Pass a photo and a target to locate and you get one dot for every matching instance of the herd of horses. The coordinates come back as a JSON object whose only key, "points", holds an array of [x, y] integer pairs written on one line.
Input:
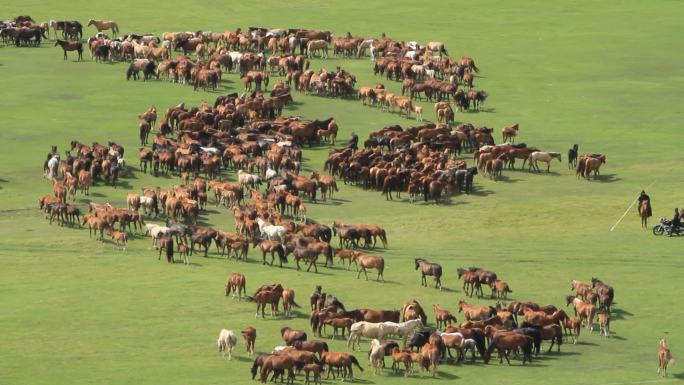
{"points": [[515, 329], [248, 135]]}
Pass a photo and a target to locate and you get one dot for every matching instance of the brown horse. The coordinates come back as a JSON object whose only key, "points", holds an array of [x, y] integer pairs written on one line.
{"points": [[365, 262], [313, 346], [431, 353], [500, 289], [276, 364], [508, 134], [509, 341], [475, 312], [605, 293], [103, 25], [664, 358], [71, 46], [290, 336], [237, 284], [429, 268], [271, 246], [340, 360], [289, 301], [443, 316], [644, 213], [470, 280], [249, 334], [267, 297], [586, 311]]}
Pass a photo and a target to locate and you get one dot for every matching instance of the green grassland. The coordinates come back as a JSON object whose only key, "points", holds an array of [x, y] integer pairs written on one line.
{"points": [[606, 75]]}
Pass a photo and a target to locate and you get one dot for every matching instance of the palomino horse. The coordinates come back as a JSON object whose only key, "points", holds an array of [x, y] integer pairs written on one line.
{"points": [[289, 301], [429, 268], [316, 45], [226, 342], [540, 156], [237, 284], [365, 262], [644, 213], [664, 358], [103, 25], [71, 46]]}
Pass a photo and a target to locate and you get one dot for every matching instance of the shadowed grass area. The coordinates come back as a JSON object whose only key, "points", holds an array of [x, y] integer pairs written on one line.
{"points": [[606, 75]]}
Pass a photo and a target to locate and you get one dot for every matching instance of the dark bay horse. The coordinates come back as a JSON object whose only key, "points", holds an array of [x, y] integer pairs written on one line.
{"points": [[71, 46], [429, 268]]}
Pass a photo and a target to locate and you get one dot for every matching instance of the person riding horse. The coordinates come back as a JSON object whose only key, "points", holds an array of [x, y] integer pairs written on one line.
{"points": [[644, 197], [675, 222], [353, 142]]}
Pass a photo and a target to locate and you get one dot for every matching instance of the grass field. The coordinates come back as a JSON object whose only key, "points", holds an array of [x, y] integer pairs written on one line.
{"points": [[606, 75]]}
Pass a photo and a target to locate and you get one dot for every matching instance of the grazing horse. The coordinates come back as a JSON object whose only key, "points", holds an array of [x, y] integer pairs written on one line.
{"points": [[540, 156], [71, 46], [290, 336], [340, 360], [103, 25], [226, 342], [376, 358], [147, 66], [237, 284], [586, 311], [505, 342], [664, 358], [605, 293], [429, 268], [278, 364], [365, 262]]}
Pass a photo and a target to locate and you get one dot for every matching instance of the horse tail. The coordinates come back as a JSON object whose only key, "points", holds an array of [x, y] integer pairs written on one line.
{"points": [[383, 237], [444, 51], [250, 298], [477, 70], [115, 28], [325, 347], [355, 362], [295, 304]]}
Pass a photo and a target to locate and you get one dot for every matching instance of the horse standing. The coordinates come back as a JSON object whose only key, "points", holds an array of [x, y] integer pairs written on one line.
{"points": [[664, 358], [644, 213], [71, 46], [103, 25], [429, 268], [226, 342]]}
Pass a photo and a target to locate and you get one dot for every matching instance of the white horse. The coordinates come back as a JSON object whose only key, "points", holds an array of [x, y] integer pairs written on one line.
{"points": [[281, 349], [226, 342], [368, 330], [248, 179], [404, 329], [377, 356], [235, 57], [271, 232], [53, 167], [210, 150], [361, 48], [540, 156], [270, 173], [155, 231]]}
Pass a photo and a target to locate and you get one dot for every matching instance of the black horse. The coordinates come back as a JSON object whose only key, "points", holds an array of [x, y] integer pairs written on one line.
{"points": [[572, 156]]}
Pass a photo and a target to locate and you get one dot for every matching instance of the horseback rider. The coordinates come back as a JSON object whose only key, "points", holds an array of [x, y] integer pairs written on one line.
{"points": [[675, 222], [353, 141], [644, 197]]}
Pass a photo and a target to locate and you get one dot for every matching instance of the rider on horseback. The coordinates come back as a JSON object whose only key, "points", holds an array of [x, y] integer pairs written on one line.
{"points": [[644, 197]]}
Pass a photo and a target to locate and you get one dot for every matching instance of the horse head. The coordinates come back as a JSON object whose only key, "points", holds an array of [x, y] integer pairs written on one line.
{"points": [[569, 299]]}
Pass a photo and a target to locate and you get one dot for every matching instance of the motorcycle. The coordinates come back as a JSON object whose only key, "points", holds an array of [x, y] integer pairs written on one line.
{"points": [[664, 227]]}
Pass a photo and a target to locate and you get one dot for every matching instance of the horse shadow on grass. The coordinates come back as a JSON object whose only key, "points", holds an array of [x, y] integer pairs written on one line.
{"points": [[506, 179], [620, 314], [607, 178], [481, 192]]}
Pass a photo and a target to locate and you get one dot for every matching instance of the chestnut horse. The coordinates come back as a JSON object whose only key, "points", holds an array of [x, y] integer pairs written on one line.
{"points": [[365, 262], [340, 360], [443, 316], [71, 46], [644, 214], [237, 284], [506, 342], [664, 358], [605, 293]]}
